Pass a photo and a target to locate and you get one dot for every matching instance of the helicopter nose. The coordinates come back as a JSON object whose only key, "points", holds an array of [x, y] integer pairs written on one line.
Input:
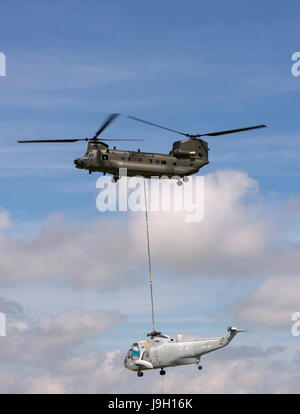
{"points": [[78, 163], [129, 364]]}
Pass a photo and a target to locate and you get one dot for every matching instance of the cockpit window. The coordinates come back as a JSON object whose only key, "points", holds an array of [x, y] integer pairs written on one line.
{"points": [[88, 155], [135, 353]]}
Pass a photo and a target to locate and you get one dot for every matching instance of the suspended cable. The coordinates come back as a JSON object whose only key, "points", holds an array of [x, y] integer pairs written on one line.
{"points": [[149, 255]]}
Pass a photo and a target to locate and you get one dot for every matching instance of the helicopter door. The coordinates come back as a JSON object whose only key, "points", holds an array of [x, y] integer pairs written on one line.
{"points": [[145, 356], [154, 358]]}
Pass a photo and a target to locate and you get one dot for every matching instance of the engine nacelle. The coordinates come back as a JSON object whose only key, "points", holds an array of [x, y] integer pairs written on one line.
{"points": [[190, 148]]}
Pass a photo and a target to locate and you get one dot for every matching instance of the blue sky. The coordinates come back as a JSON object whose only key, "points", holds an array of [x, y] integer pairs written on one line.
{"points": [[192, 66], [195, 67]]}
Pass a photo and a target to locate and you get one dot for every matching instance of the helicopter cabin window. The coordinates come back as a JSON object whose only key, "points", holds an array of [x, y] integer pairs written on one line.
{"points": [[104, 157], [164, 162]]}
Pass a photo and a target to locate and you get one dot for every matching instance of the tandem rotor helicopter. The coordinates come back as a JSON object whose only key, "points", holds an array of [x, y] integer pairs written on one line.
{"points": [[186, 157]]}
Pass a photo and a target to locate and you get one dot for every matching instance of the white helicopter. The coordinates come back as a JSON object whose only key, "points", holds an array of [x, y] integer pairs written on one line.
{"points": [[162, 351]]}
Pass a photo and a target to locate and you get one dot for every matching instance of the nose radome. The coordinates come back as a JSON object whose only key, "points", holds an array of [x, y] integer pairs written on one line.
{"points": [[78, 162]]}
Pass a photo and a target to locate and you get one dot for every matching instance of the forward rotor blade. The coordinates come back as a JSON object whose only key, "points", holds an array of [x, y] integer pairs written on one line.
{"points": [[75, 140], [230, 131], [158, 126], [105, 124], [51, 140]]}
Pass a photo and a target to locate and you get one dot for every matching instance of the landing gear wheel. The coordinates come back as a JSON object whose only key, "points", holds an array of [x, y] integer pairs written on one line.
{"points": [[179, 183], [185, 179], [162, 372], [200, 367], [140, 374]]}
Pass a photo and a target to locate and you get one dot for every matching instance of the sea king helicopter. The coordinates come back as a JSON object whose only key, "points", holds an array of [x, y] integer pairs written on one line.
{"points": [[186, 157], [161, 351]]}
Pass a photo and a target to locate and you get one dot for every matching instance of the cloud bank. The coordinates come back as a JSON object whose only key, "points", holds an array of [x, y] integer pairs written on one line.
{"points": [[234, 238]]}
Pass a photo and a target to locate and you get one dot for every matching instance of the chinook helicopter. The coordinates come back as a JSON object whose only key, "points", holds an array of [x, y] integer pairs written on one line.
{"points": [[161, 351], [186, 157]]}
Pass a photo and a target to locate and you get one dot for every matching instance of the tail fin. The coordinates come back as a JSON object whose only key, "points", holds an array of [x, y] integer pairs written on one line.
{"points": [[234, 329], [232, 332]]}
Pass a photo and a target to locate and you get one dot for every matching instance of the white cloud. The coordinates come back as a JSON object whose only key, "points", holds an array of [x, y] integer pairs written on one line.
{"points": [[234, 238], [46, 340], [85, 254], [273, 302]]}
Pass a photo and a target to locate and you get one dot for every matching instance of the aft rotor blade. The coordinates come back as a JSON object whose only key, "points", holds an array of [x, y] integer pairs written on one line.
{"points": [[105, 124], [158, 126], [211, 134], [230, 131], [121, 139], [51, 140]]}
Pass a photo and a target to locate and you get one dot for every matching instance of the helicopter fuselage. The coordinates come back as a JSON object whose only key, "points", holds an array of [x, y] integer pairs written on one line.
{"points": [[161, 351], [186, 158]]}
